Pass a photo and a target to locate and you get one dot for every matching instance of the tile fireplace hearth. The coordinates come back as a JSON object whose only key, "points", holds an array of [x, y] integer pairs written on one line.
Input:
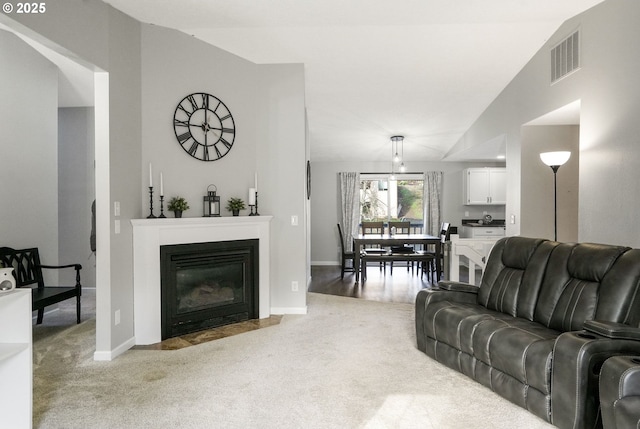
{"points": [[150, 234]]}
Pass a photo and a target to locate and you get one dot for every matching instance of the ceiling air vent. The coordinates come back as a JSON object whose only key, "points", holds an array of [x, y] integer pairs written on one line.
{"points": [[565, 57]]}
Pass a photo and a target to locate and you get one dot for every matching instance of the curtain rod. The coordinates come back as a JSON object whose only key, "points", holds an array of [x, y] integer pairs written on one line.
{"points": [[398, 174]]}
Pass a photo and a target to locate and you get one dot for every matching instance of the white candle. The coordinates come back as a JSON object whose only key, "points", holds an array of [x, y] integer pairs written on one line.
{"points": [[252, 196], [150, 176], [255, 182], [161, 186]]}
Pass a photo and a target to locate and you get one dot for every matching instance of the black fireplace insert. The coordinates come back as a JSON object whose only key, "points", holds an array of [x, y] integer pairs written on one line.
{"points": [[204, 285]]}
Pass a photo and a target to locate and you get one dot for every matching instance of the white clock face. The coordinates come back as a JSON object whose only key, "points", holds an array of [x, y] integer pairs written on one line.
{"points": [[204, 126]]}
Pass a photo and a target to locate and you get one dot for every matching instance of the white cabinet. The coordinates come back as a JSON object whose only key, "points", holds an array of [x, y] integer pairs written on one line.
{"points": [[485, 186], [15, 359], [482, 231]]}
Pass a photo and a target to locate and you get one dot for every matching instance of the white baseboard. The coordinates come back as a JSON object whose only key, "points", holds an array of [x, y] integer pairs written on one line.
{"points": [[110, 355], [289, 310]]}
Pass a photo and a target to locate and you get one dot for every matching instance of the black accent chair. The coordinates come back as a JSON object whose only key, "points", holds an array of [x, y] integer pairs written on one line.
{"points": [[346, 256], [27, 271]]}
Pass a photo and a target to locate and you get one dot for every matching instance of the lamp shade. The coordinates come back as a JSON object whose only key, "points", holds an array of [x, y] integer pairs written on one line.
{"points": [[555, 158]]}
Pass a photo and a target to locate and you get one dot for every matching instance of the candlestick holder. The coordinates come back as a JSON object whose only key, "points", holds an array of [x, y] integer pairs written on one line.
{"points": [[162, 216], [151, 216], [257, 214], [251, 206]]}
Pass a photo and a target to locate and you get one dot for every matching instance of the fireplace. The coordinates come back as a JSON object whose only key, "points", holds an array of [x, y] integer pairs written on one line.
{"points": [[204, 285], [149, 235]]}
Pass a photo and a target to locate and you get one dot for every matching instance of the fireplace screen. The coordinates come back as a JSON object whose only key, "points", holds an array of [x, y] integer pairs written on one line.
{"points": [[208, 284], [201, 288]]}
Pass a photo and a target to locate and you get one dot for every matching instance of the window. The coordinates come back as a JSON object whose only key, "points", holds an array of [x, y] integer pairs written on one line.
{"points": [[384, 199]]}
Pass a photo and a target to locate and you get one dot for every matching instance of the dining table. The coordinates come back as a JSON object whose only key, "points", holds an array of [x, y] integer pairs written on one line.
{"points": [[388, 240]]}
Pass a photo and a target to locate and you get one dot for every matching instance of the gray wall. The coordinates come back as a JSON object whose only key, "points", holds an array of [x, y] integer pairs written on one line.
{"points": [[607, 85], [281, 164], [325, 200], [125, 153], [267, 103], [173, 66], [103, 39], [29, 161], [537, 182], [76, 135]]}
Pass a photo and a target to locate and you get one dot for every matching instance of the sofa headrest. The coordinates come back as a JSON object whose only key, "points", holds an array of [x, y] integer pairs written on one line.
{"points": [[513, 275], [591, 262], [518, 251]]}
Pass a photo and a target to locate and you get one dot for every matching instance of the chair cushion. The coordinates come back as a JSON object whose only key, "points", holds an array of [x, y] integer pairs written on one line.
{"points": [[445, 317], [516, 347]]}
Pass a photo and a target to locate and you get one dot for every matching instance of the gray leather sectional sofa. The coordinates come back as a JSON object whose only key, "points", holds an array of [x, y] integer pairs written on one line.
{"points": [[541, 324], [620, 392]]}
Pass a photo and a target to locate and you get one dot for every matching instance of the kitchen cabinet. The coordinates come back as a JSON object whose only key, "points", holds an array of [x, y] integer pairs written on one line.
{"points": [[482, 231], [485, 186], [15, 359]]}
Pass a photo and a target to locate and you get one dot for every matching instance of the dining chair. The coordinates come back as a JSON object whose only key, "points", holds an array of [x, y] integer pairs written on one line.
{"points": [[346, 256], [401, 228], [429, 264], [374, 228]]}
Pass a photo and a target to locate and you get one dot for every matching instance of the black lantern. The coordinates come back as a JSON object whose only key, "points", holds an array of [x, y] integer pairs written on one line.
{"points": [[211, 202]]}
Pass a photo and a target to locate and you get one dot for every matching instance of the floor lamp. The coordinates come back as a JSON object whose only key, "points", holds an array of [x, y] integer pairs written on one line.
{"points": [[555, 160]]}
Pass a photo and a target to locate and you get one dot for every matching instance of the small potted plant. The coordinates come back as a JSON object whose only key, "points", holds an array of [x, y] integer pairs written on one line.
{"points": [[177, 205], [234, 205]]}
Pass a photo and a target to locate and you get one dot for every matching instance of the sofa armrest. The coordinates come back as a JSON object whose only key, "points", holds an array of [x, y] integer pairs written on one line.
{"points": [[445, 291], [618, 331], [620, 392], [458, 287], [577, 360]]}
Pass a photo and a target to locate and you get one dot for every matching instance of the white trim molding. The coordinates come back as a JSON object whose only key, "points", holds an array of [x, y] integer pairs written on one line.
{"points": [[150, 234]]}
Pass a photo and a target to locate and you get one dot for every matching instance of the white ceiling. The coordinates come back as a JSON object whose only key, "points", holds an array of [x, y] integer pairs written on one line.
{"points": [[425, 69]]}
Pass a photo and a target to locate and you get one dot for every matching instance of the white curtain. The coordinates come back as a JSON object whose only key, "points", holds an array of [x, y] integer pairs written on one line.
{"points": [[350, 198], [432, 199]]}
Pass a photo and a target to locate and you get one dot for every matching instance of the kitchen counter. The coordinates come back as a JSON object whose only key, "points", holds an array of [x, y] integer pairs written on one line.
{"points": [[473, 228], [481, 223]]}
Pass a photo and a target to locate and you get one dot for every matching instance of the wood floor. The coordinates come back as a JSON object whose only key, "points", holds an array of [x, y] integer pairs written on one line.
{"points": [[402, 286]]}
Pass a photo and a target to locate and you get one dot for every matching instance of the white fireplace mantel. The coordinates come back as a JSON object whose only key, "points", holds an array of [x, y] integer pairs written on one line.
{"points": [[150, 234]]}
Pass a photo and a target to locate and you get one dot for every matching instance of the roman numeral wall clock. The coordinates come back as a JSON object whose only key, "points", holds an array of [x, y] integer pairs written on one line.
{"points": [[204, 126]]}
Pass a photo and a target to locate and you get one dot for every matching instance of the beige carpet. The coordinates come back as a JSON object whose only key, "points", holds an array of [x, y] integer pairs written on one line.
{"points": [[349, 363]]}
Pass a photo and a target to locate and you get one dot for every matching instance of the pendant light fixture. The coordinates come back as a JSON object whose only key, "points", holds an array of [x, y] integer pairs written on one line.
{"points": [[392, 176], [395, 158], [402, 167]]}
